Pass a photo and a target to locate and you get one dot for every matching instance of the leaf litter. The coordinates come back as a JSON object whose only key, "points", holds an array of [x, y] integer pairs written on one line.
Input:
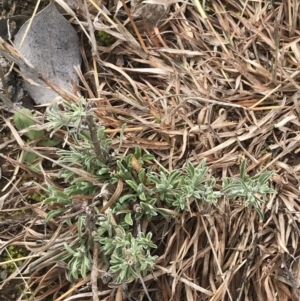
{"points": [[172, 91]]}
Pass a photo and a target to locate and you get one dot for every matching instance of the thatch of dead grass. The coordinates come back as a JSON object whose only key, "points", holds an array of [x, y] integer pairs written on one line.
{"points": [[218, 81]]}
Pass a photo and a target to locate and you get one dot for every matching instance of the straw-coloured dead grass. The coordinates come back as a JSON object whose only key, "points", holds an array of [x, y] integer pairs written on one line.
{"points": [[219, 81]]}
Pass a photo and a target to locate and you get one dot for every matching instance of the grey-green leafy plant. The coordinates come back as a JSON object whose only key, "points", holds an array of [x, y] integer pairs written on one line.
{"points": [[130, 256], [199, 184], [80, 261], [144, 187], [67, 115], [253, 190], [180, 188]]}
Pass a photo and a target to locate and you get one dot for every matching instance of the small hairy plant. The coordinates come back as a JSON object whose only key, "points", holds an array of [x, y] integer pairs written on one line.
{"points": [[80, 261], [69, 116], [130, 256], [143, 187], [253, 190]]}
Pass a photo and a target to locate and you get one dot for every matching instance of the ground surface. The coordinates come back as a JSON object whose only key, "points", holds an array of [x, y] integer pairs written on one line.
{"points": [[218, 81]]}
